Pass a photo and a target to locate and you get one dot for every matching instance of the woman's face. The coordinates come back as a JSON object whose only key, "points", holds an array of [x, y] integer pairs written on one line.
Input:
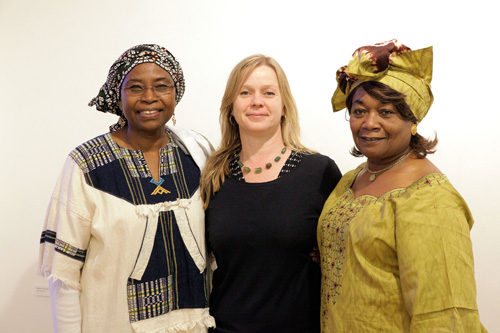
{"points": [[378, 129], [258, 106], [147, 97]]}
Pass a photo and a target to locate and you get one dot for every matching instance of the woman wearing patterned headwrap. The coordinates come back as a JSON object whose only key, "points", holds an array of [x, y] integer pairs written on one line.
{"points": [[396, 254], [123, 241]]}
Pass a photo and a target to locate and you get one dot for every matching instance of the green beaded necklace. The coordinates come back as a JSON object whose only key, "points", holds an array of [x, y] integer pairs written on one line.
{"points": [[258, 170]]}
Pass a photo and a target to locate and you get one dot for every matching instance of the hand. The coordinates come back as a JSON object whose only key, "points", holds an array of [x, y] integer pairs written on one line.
{"points": [[315, 254]]}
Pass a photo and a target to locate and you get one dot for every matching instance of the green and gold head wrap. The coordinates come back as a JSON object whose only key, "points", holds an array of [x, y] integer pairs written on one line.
{"points": [[391, 63]]}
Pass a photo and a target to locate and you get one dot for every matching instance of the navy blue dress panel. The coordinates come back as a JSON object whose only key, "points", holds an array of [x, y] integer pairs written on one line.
{"points": [[124, 173]]}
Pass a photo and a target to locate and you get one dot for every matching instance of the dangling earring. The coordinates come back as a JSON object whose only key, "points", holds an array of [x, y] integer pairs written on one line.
{"points": [[345, 116], [414, 129], [122, 122], [232, 120], [173, 119]]}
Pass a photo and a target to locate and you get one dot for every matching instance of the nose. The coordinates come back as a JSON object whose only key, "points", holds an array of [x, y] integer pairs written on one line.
{"points": [[257, 99], [149, 94], [371, 121]]}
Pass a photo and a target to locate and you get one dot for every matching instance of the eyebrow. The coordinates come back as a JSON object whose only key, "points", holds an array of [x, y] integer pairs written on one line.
{"points": [[358, 101], [155, 80], [267, 86]]}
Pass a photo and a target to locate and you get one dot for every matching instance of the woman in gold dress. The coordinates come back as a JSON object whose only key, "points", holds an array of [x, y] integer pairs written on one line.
{"points": [[396, 254]]}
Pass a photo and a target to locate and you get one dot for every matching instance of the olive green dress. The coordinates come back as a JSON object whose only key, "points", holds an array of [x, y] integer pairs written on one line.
{"points": [[397, 263]]}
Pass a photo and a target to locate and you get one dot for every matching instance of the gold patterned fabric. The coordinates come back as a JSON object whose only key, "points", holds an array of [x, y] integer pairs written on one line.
{"points": [[398, 263], [394, 64]]}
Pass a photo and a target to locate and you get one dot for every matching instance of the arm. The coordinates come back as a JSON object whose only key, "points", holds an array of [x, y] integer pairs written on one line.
{"points": [[435, 261], [66, 313], [63, 246]]}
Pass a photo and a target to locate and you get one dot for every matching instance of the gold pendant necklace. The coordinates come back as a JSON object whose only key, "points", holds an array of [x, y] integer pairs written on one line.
{"points": [[258, 170], [374, 173]]}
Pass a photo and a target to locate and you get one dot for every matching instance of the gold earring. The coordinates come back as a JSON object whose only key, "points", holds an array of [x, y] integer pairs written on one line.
{"points": [[414, 129], [174, 121]]}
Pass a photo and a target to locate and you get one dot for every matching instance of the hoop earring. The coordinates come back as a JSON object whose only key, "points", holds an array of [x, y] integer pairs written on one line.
{"points": [[414, 129], [232, 120]]}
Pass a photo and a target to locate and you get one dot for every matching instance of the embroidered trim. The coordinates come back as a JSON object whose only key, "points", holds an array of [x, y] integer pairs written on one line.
{"points": [[160, 190], [103, 150], [49, 236], [150, 299], [335, 226], [157, 183]]}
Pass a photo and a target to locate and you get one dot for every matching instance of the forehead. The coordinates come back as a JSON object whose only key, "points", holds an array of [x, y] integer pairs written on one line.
{"points": [[262, 74], [362, 97], [147, 71]]}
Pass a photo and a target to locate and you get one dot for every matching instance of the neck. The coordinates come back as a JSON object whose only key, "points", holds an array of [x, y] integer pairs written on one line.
{"points": [[145, 141], [258, 148], [378, 164]]}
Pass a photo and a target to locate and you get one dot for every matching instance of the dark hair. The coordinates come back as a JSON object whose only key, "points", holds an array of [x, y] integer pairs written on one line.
{"points": [[385, 94]]}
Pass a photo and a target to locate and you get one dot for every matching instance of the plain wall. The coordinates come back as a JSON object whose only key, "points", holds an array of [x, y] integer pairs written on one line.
{"points": [[55, 55]]}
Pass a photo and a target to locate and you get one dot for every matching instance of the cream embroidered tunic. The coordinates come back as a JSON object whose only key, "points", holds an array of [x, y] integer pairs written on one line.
{"points": [[107, 217]]}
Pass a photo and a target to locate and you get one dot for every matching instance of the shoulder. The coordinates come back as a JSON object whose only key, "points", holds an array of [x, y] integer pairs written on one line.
{"points": [[318, 165], [99, 140], [95, 152], [187, 137], [418, 168], [192, 143], [101, 146], [434, 194], [318, 160]]}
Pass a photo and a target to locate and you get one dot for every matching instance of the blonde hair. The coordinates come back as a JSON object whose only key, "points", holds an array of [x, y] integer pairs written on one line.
{"points": [[217, 167]]}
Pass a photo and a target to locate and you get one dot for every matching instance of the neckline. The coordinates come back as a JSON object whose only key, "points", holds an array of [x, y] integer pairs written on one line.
{"points": [[270, 182], [389, 193], [113, 141]]}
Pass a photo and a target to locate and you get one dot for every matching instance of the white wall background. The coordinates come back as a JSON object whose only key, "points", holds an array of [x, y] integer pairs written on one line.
{"points": [[55, 54]]}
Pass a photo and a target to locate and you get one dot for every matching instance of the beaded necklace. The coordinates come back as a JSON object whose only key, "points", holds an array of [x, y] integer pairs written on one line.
{"points": [[259, 169]]}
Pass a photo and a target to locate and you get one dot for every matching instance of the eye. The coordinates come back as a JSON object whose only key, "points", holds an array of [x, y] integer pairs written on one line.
{"points": [[244, 93], [269, 93], [386, 112], [358, 112], [163, 88], [135, 89]]}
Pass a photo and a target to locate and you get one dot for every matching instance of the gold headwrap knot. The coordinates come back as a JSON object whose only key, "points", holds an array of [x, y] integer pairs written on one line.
{"points": [[394, 64]]}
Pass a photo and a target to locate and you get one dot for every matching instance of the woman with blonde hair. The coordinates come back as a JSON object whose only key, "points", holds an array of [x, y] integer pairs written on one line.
{"points": [[263, 192]]}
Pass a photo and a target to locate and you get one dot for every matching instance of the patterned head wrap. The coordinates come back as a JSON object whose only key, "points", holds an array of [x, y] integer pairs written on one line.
{"points": [[108, 98], [391, 63]]}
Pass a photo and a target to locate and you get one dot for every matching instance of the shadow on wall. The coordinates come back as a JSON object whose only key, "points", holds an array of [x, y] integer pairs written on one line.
{"points": [[26, 312]]}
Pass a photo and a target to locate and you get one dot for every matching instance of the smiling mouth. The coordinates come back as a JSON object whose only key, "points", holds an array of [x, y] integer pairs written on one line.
{"points": [[148, 112], [371, 139]]}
